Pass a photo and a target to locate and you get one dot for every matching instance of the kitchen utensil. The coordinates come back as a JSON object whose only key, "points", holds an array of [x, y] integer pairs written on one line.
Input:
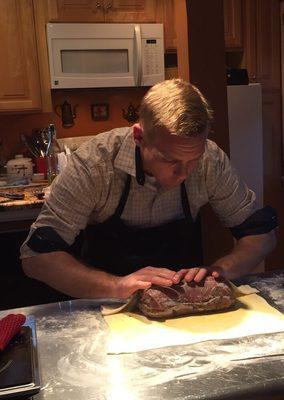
{"points": [[20, 373], [10, 325], [13, 196], [36, 139], [39, 195], [51, 156], [46, 139], [19, 167], [66, 113], [29, 145], [131, 114]]}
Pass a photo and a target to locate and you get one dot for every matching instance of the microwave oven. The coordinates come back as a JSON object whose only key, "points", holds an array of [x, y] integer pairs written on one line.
{"points": [[95, 55]]}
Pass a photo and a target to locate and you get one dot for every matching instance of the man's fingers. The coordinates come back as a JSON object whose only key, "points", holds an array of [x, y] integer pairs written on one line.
{"points": [[163, 272], [190, 275], [215, 271], [201, 274], [145, 277], [179, 275], [215, 274]]}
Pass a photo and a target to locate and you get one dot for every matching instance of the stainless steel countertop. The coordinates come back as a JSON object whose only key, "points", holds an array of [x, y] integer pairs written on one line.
{"points": [[72, 338]]}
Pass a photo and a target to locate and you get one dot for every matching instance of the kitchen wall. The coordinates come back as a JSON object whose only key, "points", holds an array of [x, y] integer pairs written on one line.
{"points": [[118, 99]]}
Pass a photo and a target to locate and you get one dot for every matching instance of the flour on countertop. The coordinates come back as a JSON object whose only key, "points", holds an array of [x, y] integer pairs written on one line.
{"points": [[273, 287], [72, 347], [79, 341]]}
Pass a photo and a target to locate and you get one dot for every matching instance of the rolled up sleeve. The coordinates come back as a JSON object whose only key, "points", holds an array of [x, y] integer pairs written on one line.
{"points": [[229, 196], [73, 196]]}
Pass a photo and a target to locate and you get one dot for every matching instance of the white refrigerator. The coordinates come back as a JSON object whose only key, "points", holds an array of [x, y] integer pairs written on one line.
{"points": [[246, 138], [245, 132]]}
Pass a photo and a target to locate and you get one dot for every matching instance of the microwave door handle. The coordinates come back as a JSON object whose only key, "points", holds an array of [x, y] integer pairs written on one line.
{"points": [[138, 42]]}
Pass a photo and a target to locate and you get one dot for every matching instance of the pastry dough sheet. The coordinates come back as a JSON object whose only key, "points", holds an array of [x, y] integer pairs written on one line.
{"points": [[130, 332]]}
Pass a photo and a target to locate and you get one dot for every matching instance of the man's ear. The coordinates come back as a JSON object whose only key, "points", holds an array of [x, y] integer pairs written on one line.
{"points": [[137, 134]]}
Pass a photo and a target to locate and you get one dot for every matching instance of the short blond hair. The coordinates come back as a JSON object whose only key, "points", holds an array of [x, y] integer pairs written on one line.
{"points": [[177, 106]]}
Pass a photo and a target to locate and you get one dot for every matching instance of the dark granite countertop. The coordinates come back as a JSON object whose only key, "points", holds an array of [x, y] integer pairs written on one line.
{"points": [[30, 200]]}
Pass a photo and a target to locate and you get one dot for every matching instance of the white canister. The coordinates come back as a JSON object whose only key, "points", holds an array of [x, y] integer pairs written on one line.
{"points": [[19, 168]]}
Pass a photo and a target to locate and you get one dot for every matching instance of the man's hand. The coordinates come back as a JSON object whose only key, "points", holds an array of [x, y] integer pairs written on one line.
{"points": [[196, 274], [143, 279]]}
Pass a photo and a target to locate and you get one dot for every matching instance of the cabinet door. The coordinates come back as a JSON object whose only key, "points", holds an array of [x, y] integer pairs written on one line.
{"points": [[166, 16], [261, 42], [249, 40], [233, 24], [130, 10], [268, 43], [19, 74], [76, 10]]}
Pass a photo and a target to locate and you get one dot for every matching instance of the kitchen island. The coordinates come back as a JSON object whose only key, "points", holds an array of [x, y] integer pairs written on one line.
{"points": [[72, 342]]}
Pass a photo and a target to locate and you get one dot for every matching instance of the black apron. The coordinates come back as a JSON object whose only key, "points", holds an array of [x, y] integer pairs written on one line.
{"points": [[120, 249]]}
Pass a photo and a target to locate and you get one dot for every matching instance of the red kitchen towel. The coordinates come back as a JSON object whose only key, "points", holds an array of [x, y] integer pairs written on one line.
{"points": [[9, 327]]}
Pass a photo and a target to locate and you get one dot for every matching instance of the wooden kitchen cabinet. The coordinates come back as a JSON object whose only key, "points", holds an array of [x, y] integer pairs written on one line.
{"points": [[130, 11], [112, 11], [233, 25], [102, 10], [259, 53], [75, 10], [19, 71], [268, 43], [166, 15], [24, 73]]}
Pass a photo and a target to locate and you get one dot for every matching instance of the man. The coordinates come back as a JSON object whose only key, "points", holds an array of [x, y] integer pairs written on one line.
{"points": [[136, 193]]}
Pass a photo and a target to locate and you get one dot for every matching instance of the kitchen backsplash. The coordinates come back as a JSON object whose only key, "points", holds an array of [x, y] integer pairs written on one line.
{"points": [[115, 100]]}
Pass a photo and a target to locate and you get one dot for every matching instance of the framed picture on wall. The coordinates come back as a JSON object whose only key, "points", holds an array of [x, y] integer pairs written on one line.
{"points": [[100, 111]]}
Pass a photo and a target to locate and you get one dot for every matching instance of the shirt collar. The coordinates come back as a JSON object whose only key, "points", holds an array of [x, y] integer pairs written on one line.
{"points": [[125, 158], [125, 161]]}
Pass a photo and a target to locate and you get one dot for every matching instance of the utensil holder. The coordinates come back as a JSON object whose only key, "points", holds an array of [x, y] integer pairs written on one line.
{"points": [[41, 165]]}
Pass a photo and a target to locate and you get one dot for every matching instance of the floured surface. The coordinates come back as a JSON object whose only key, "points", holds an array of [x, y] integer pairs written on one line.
{"points": [[131, 332]]}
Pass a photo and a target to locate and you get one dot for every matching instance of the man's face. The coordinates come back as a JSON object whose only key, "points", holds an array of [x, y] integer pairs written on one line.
{"points": [[170, 158]]}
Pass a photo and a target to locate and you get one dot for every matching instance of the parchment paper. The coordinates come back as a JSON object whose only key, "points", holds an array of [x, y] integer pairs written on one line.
{"points": [[132, 332]]}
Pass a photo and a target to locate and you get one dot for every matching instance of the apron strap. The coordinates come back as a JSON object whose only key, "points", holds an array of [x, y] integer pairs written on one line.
{"points": [[123, 198], [185, 202], [140, 178]]}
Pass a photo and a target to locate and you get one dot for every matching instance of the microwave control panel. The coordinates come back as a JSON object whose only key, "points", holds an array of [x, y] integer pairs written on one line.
{"points": [[151, 53]]}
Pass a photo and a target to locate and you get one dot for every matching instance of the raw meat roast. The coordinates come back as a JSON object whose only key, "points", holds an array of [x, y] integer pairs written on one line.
{"points": [[187, 298]]}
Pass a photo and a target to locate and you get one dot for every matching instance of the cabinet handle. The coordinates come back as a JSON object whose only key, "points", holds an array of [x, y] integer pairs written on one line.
{"points": [[138, 41], [98, 4], [108, 6]]}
